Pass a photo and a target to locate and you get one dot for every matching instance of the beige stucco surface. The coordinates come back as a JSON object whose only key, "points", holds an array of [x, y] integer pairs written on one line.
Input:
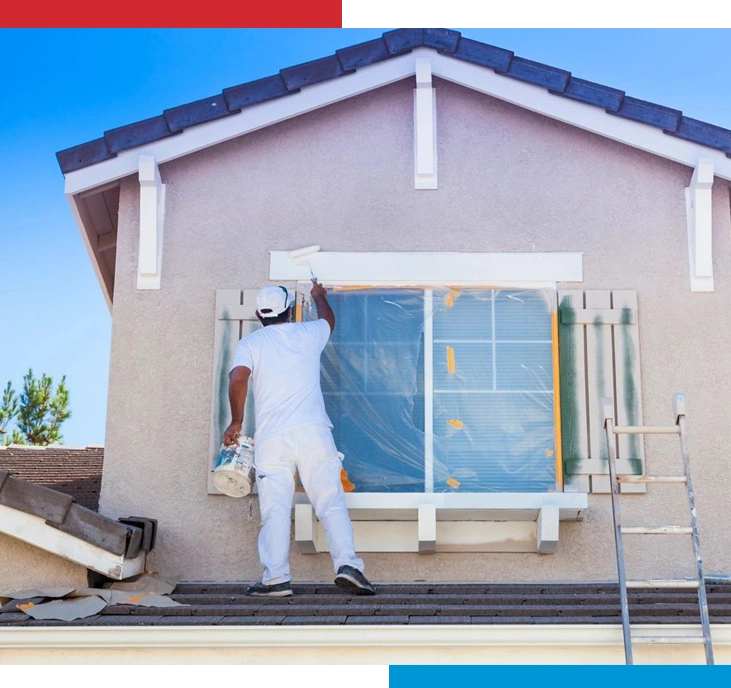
{"points": [[25, 567], [342, 177]]}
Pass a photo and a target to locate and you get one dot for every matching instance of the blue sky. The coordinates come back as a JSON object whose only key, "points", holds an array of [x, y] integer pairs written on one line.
{"points": [[63, 87]]}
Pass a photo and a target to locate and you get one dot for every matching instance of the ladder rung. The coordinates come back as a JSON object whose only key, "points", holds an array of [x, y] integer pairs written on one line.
{"points": [[669, 640], [657, 530], [663, 583], [647, 430], [652, 479]]}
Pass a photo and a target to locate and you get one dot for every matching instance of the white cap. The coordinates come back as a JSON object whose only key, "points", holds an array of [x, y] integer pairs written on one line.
{"points": [[272, 301]]}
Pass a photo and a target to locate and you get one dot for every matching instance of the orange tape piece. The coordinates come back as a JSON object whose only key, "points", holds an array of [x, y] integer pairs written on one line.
{"points": [[450, 360]]}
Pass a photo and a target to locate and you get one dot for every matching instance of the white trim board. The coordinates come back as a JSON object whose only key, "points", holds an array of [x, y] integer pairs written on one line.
{"points": [[485, 80], [423, 269], [35, 531], [353, 644]]}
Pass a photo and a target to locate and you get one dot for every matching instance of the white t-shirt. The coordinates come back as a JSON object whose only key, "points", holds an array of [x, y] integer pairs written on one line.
{"points": [[285, 375]]}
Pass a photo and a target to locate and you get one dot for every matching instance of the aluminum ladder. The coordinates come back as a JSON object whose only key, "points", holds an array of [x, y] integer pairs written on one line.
{"points": [[619, 530]]}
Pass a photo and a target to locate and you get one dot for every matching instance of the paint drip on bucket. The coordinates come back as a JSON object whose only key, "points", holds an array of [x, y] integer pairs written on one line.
{"points": [[234, 471]]}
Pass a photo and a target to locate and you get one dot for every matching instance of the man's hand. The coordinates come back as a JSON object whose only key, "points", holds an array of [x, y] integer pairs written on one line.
{"points": [[231, 435], [319, 296], [317, 290]]}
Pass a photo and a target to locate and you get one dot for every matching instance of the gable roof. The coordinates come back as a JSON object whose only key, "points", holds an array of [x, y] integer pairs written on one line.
{"points": [[292, 80], [93, 170]]}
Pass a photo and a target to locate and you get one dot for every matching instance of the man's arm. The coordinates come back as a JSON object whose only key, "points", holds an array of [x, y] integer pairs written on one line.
{"points": [[238, 386], [319, 296]]}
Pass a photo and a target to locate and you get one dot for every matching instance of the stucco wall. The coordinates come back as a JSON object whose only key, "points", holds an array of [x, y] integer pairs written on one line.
{"points": [[342, 177], [25, 567]]}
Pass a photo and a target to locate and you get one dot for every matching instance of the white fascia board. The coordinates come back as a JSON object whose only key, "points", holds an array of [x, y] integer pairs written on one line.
{"points": [[589, 117], [249, 119], [34, 530], [482, 79], [423, 269], [390, 637]]}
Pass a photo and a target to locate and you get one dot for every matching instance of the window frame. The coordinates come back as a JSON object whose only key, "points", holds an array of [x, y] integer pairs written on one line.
{"points": [[500, 465]]}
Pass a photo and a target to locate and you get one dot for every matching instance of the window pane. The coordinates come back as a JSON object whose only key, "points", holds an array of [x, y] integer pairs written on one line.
{"points": [[523, 314], [463, 314], [490, 386], [493, 398], [372, 380], [494, 442]]}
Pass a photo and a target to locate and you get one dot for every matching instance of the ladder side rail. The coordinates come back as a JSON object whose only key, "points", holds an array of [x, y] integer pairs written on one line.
{"points": [[616, 518], [702, 597]]}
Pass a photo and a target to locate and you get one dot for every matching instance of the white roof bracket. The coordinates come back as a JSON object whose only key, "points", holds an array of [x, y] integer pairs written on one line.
{"points": [[700, 226], [425, 127], [152, 214]]}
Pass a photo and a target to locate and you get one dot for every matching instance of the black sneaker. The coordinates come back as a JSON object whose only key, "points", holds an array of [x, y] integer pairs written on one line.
{"points": [[352, 580], [276, 590]]}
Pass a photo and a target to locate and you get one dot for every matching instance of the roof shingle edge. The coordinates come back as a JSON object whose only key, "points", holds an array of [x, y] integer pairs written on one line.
{"points": [[392, 43]]}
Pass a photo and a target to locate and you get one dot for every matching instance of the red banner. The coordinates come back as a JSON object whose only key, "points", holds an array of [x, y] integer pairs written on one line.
{"points": [[135, 14]]}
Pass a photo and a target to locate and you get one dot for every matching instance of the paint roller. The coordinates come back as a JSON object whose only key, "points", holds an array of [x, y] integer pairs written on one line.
{"points": [[301, 253]]}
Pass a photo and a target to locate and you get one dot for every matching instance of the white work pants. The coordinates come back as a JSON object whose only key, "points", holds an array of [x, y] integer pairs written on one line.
{"points": [[309, 449]]}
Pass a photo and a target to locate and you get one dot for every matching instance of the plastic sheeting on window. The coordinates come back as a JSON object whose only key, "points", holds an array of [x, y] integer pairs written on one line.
{"points": [[443, 390]]}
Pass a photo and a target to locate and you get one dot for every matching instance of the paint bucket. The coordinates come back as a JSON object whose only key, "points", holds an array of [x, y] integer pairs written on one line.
{"points": [[234, 471]]}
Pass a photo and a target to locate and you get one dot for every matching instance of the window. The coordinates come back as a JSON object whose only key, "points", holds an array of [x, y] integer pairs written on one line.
{"points": [[444, 390]]}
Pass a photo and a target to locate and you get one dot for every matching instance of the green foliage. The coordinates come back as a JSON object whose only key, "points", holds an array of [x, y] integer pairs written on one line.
{"points": [[38, 411]]}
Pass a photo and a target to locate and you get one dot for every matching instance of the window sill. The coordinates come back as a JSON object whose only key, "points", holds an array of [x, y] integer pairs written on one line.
{"points": [[428, 523]]}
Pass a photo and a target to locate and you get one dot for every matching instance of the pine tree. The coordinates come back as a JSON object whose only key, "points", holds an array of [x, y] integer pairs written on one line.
{"points": [[38, 412], [8, 411]]}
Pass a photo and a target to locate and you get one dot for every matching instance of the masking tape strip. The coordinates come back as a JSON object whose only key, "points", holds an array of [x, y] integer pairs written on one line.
{"points": [[450, 360]]}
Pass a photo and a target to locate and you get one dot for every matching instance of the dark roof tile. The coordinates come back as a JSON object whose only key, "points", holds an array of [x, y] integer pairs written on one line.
{"points": [[197, 112], [538, 74], [253, 92], [403, 40], [313, 72], [314, 621], [702, 132], [50, 505], [137, 134], [483, 54], [363, 54], [650, 113], [84, 155], [444, 40], [594, 94]]}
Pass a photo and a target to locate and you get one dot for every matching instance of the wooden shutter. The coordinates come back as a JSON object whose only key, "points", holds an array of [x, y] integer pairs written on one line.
{"points": [[598, 357], [235, 317]]}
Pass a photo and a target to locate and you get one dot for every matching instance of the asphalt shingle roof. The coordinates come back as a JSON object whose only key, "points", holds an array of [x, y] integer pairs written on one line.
{"points": [[226, 604], [75, 471]]}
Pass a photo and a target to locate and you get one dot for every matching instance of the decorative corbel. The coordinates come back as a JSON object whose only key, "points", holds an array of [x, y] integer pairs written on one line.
{"points": [[700, 226], [425, 128], [152, 214]]}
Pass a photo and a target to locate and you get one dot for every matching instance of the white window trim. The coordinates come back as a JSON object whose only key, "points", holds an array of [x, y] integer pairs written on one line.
{"points": [[434, 522], [430, 522], [521, 270]]}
